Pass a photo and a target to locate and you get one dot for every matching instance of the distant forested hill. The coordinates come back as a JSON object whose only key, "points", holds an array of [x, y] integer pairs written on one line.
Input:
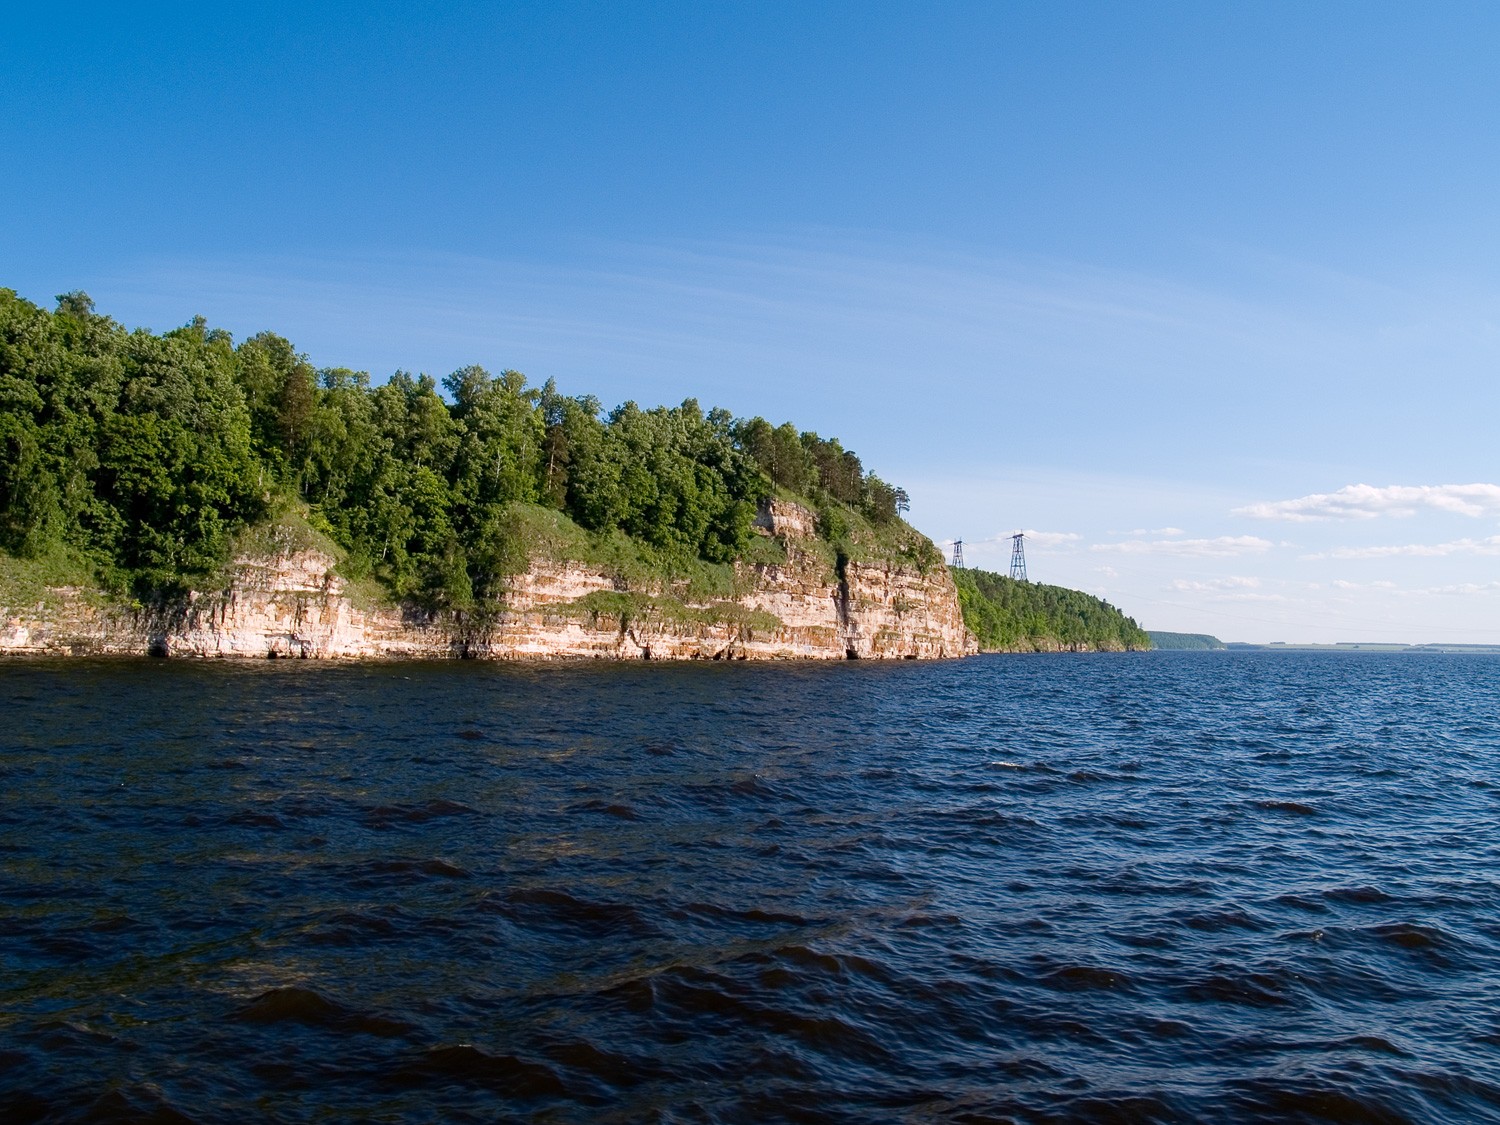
{"points": [[1012, 616], [1184, 641], [134, 459]]}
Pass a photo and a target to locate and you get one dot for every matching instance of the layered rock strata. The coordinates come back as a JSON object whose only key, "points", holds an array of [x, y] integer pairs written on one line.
{"points": [[294, 605]]}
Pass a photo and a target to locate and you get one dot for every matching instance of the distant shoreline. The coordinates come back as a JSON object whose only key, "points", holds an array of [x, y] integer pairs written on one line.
{"points": [[1352, 647], [1207, 642]]}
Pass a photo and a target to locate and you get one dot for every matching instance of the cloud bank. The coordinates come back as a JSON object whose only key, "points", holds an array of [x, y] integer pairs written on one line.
{"points": [[1050, 538], [1216, 585], [1364, 501], [1222, 547], [1488, 546]]}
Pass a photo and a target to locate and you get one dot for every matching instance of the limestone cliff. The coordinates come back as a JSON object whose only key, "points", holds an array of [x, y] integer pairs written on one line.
{"points": [[291, 603]]}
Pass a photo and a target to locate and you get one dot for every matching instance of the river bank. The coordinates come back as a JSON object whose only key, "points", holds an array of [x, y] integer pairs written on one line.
{"points": [[291, 602]]}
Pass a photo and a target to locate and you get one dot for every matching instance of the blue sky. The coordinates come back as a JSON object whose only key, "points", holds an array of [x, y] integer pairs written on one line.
{"points": [[1162, 284]]}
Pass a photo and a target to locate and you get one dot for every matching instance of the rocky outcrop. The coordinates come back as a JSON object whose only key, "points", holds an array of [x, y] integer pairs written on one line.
{"points": [[784, 519], [72, 622], [293, 604]]}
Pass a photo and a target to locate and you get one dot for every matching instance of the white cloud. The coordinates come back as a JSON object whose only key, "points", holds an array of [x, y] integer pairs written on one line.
{"points": [[1033, 538], [1215, 585], [1364, 501], [1456, 589], [1464, 589], [1051, 538], [1235, 588], [1489, 546], [1225, 546]]}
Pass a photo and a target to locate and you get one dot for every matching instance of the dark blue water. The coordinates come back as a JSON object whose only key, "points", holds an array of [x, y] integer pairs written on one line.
{"points": [[1162, 887]]}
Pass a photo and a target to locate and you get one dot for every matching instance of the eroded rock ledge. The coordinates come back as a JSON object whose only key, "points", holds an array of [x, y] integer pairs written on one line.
{"points": [[294, 605]]}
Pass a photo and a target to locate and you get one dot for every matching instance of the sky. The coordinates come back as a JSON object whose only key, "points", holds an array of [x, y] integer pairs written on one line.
{"points": [[1205, 298]]}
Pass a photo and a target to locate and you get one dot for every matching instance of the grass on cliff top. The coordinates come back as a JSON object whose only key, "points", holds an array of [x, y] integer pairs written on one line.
{"points": [[534, 532], [294, 529], [289, 531], [645, 609], [26, 583], [896, 542], [671, 588], [843, 530]]}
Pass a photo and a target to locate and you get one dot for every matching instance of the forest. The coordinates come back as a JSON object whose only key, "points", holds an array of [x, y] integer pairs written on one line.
{"points": [[144, 454], [1011, 616], [1185, 642]]}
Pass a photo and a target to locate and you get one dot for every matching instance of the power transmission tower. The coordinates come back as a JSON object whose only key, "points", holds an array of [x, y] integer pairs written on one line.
{"points": [[958, 552], [1018, 557]]}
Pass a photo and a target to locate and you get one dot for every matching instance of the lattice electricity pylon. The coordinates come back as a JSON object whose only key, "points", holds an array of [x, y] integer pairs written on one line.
{"points": [[958, 552], [1018, 557]]}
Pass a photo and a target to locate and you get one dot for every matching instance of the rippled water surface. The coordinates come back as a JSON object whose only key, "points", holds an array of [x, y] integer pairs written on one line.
{"points": [[1162, 887]]}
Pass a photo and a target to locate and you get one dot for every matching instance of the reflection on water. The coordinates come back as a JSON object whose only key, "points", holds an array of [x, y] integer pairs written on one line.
{"points": [[1168, 887]]}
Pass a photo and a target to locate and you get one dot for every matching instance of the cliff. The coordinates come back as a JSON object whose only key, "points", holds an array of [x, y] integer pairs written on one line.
{"points": [[290, 602]]}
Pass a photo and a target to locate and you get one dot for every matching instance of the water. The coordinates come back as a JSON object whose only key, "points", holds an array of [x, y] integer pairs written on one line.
{"points": [[1162, 887]]}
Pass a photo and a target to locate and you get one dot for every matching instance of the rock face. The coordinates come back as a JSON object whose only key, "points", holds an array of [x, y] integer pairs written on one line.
{"points": [[294, 605], [786, 520]]}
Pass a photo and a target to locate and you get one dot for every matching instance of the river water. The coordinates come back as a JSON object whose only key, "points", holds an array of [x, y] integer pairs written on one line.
{"points": [[1151, 887]]}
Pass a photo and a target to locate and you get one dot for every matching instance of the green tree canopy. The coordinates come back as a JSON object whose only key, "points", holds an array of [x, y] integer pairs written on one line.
{"points": [[148, 452]]}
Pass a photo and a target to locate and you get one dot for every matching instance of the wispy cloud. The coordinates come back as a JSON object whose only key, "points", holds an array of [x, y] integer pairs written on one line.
{"points": [[1215, 585], [1224, 546], [1033, 538], [785, 324], [1449, 590], [1234, 588], [1364, 501], [1488, 546], [1052, 538], [781, 325]]}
